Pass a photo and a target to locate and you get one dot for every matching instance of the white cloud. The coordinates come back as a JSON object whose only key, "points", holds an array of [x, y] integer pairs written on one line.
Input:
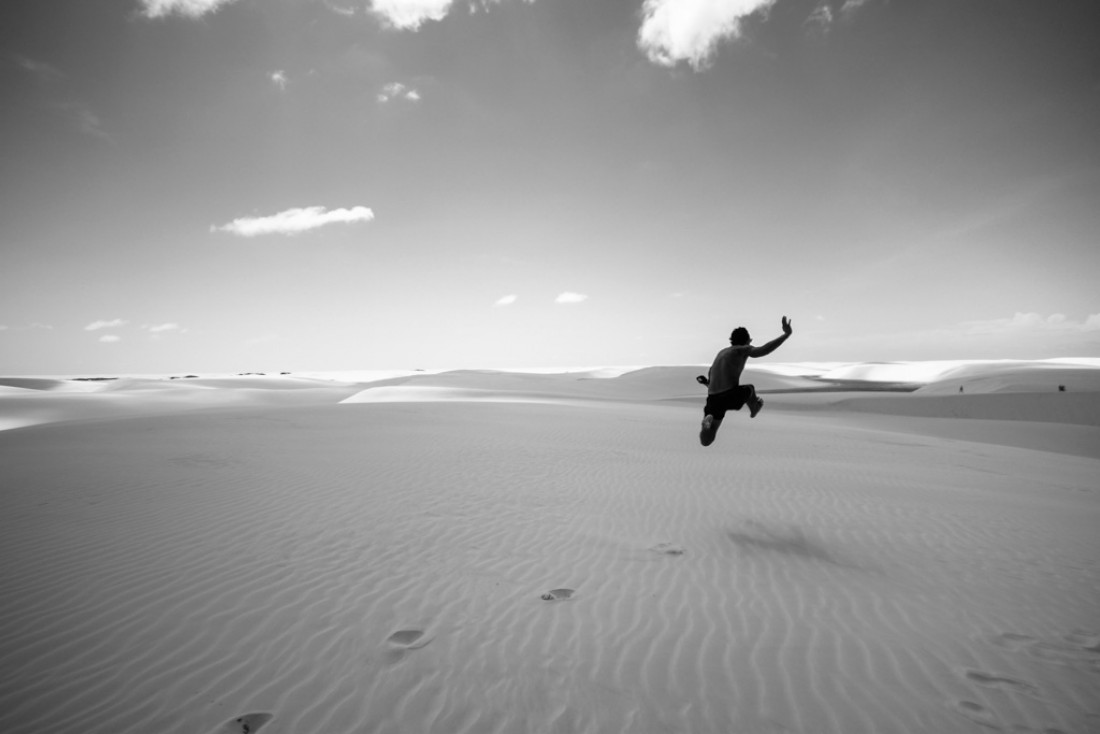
{"points": [[110, 338], [690, 30], [506, 300], [158, 328], [1022, 323], [113, 324], [397, 90], [293, 221], [820, 20], [188, 8], [279, 79], [570, 297], [409, 15], [344, 10]]}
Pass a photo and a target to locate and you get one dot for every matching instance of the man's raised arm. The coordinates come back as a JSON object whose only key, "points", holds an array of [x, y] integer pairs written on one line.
{"points": [[774, 343]]}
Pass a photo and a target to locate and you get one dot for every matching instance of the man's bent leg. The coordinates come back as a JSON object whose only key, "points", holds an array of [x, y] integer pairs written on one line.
{"points": [[709, 430], [753, 401]]}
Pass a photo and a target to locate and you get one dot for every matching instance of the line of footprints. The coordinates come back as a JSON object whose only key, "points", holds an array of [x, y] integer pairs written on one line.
{"points": [[401, 642]]}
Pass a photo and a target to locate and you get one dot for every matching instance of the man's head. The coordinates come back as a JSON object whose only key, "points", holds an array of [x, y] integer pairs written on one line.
{"points": [[740, 337]]}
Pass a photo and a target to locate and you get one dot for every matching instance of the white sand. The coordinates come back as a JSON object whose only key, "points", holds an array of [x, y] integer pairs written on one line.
{"points": [[223, 555]]}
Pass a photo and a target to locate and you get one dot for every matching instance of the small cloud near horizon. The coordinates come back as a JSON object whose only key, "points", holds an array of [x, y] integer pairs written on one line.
{"points": [[110, 338], [160, 328], [112, 324], [506, 300], [294, 221], [397, 90], [1024, 322], [570, 297]]}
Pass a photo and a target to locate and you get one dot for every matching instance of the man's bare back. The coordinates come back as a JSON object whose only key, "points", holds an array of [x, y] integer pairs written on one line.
{"points": [[724, 389]]}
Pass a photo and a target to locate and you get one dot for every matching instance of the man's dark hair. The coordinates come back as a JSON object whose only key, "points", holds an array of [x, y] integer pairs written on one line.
{"points": [[740, 337]]}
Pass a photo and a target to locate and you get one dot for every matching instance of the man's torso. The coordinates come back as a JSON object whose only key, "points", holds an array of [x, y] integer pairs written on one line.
{"points": [[725, 372]]}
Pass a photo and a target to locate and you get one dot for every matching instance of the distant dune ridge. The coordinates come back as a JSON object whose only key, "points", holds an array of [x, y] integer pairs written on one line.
{"points": [[885, 548]]}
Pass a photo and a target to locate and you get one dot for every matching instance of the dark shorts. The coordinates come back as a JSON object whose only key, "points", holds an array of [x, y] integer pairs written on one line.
{"points": [[734, 399]]}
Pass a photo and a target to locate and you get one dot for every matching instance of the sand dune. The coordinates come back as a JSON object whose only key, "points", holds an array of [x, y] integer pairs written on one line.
{"points": [[563, 557]]}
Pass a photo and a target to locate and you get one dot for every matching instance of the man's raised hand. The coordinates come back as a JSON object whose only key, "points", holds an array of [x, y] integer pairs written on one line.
{"points": [[787, 326]]}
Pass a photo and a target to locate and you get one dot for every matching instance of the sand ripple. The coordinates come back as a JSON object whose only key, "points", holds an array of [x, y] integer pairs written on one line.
{"points": [[386, 568]]}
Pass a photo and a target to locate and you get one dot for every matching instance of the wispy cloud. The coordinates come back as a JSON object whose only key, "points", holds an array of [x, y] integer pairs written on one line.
{"points": [[84, 119], [691, 30], [187, 8], [112, 324], [340, 9], [42, 71], [1023, 323], [160, 328], [55, 96], [570, 297], [506, 300], [110, 338], [294, 221], [279, 79], [397, 90]]}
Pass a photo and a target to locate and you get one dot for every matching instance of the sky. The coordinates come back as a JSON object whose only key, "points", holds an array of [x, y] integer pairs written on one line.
{"points": [[282, 185]]}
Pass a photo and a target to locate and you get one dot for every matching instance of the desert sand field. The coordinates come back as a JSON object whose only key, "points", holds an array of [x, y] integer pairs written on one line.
{"points": [[902, 548]]}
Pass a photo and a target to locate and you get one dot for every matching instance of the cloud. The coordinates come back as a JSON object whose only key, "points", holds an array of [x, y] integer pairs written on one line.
{"points": [[84, 119], [110, 338], [1022, 323], [293, 221], [29, 327], [279, 79], [42, 71], [506, 300], [409, 15], [158, 328], [113, 324], [691, 30], [57, 98], [187, 8], [570, 297], [397, 90], [344, 10]]}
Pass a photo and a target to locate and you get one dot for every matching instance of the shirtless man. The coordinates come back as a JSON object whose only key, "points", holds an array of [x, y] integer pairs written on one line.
{"points": [[724, 388]]}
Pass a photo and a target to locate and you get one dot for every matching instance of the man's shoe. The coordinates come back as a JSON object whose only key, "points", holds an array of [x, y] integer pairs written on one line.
{"points": [[708, 431]]}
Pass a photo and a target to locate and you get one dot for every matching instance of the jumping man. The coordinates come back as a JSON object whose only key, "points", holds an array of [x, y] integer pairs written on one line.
{"points": [[724, 388]]}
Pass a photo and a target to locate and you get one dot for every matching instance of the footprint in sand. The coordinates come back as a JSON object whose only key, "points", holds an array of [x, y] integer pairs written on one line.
{"points": [[402, 642], [1012, 641], [1078, 649], [977, 713], [668, 549], [246, 724], [408, 639], [558, 595], [989, 680]]}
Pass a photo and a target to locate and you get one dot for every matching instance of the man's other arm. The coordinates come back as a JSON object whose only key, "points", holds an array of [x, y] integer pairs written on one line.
{"points": [[774, 343]]}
